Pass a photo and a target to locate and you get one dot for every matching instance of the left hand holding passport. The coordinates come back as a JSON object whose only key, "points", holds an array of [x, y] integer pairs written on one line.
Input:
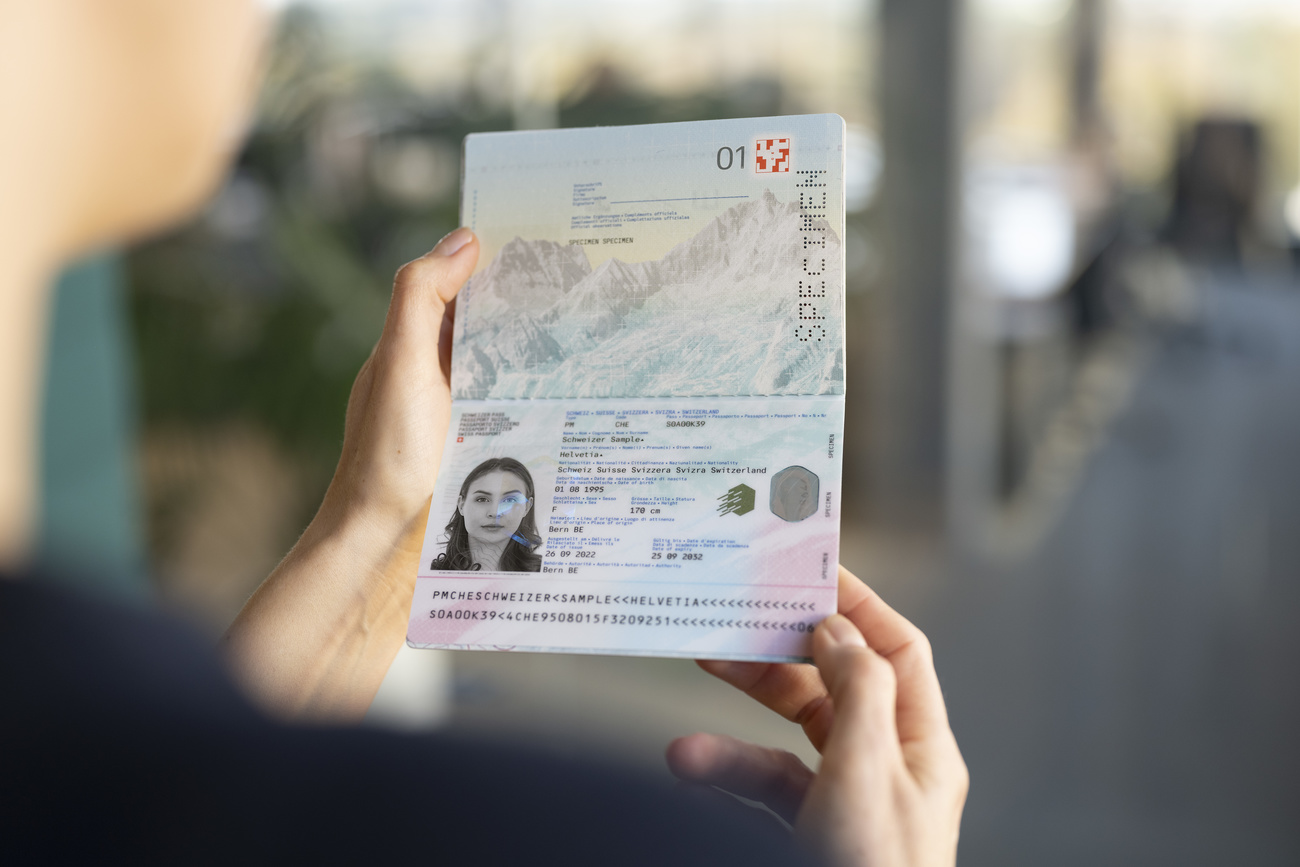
{"points": [[401, 399], [318, 636]]}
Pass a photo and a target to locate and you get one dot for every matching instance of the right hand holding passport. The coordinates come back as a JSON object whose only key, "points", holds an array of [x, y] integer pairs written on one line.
{"points": [[891, 784]]}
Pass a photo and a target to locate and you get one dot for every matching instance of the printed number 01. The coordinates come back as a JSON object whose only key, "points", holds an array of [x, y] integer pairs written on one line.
{"points": [[732, 157]]}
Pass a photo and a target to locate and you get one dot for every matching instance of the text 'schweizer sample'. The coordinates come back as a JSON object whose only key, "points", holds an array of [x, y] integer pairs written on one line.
{"points": [[648, 394]]}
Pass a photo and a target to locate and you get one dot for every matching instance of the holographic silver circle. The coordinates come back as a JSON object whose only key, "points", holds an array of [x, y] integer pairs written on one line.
{"points": [[794, 493]]}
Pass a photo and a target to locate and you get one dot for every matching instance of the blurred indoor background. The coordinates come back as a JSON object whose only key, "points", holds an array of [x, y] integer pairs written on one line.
{"points": [[1074, 348]]}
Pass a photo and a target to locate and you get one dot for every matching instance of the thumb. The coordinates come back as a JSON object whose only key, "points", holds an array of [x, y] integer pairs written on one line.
{"points": [[863, 689], [424, 287]]}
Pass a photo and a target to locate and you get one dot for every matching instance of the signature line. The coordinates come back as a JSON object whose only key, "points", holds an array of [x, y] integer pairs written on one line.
{"points": [[688, 199]]}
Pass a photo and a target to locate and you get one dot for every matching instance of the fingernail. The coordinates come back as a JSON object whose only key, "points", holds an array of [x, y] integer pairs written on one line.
{"points": [[842, 631], [452, 242]]}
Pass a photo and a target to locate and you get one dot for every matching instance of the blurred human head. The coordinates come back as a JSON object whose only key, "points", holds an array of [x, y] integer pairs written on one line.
{"points": [[121, 116], [117, 117]]}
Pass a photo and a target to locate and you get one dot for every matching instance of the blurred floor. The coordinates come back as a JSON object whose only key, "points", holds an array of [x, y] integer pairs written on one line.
{"points": [[1129, 696], [1126, 696]]}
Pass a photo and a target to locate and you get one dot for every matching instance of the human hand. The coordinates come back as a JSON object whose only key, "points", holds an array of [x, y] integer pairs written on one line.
{"points": [[319, 635], [400, 402], [891, 784]]}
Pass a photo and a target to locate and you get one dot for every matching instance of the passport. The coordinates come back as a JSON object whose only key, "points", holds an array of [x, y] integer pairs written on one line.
{"points": [[645, 448]]}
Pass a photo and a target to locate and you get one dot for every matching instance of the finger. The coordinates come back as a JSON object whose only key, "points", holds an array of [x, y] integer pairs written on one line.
{"points": [[922, 718], [797, 693], [794, 691], [775, 778], [424, 287], [457, 250], [862, 683]]}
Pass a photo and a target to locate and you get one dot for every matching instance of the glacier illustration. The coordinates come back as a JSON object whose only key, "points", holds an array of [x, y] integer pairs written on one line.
{"points": [[717, 315]]}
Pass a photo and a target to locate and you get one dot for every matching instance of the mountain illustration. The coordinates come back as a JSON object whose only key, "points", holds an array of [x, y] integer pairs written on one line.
{"points": [[717, 315], [529, 276]]}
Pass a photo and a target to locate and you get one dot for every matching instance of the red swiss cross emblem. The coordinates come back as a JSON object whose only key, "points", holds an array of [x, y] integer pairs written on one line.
{"points": [[772, 155]]}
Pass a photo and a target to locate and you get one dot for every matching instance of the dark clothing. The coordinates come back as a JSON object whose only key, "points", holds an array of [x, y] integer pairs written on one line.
{"points": [[121, 735]]}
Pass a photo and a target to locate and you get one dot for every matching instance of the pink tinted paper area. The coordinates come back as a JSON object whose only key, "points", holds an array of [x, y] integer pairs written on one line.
{"points": [[769, 618]]}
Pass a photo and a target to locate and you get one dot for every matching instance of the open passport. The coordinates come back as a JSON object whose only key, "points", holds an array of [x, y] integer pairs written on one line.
{"points": [[647, 394]]}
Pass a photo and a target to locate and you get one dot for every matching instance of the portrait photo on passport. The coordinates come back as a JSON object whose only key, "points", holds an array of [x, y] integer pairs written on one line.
{"points": [[492, 528]]}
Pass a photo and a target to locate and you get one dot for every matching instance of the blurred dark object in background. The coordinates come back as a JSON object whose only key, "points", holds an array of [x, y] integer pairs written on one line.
{"points": [[91, 526], [907, 355], [1216, 187]]}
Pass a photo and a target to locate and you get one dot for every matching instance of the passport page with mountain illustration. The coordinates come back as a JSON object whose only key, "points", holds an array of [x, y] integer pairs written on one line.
{"points": [[647, 394]]}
